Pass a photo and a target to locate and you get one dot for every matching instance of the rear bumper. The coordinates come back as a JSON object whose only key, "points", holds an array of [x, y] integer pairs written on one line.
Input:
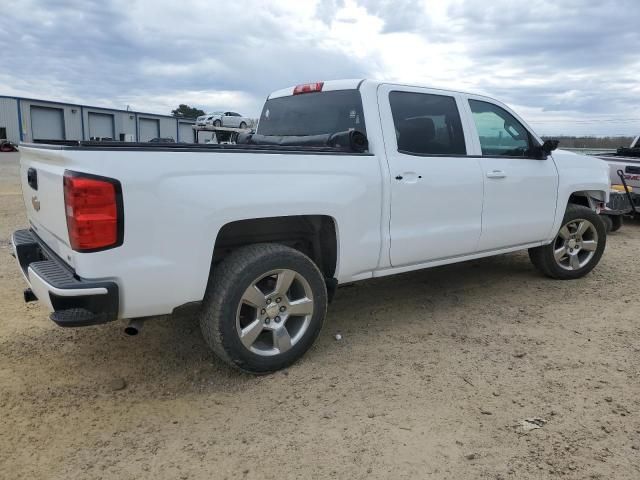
{"points": [[73, 301]]}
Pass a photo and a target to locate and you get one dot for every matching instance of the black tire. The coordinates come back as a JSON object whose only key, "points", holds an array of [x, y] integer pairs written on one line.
{"points": [[616, 223], [543, 257], [243, 125], [608, 222], [223, 297], [217, 123]]}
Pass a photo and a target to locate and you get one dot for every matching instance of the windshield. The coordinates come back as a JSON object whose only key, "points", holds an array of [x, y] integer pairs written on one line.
{"points": [[315, 113]]}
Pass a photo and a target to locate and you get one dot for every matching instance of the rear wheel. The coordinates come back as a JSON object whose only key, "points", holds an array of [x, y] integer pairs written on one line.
{"points": [[264, 307], [577, 248], [243, 125]]}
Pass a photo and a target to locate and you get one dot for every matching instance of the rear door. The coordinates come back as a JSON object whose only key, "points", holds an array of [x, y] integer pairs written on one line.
{"points": [[520, 190], [436, 188]]}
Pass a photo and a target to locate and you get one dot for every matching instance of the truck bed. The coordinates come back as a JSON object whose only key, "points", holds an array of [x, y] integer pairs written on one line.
{"points": [[177, 197]]}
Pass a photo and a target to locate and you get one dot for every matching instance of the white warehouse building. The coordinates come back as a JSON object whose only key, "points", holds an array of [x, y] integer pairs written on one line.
{"points": [[29, 120]]}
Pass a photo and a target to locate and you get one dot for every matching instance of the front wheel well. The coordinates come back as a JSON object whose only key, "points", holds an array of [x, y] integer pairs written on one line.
{"points": [[587, 198], [313, 235]]}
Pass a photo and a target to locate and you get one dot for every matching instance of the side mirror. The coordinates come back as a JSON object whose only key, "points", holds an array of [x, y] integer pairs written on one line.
{"points": [[549, 146]]}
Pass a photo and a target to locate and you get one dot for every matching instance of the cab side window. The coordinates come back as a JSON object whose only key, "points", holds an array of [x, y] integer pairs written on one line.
{"points": [[427, 124], [500, 133]]}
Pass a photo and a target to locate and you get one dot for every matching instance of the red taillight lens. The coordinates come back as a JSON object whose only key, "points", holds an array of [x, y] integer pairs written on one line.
{"points": [[308, 88], [93, 206]]}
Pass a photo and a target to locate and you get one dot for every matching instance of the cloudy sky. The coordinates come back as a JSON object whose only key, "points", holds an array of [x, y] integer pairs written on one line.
{"points": [[567, 66]]}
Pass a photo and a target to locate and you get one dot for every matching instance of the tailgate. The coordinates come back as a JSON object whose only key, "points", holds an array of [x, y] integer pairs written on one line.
{"points": [[630, 167], [42, 175]]}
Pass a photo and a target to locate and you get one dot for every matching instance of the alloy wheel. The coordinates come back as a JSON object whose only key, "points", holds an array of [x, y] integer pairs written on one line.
{"points": [[274, 312], [575, 244]]}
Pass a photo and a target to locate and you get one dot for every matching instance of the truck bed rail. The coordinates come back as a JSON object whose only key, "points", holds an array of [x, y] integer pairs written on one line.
{"points": [[189, 147]]}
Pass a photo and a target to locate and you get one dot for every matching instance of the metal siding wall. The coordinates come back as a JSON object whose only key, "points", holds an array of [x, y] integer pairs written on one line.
{"points": [[126, 123], [72, 118], [9, 118], [76, 120]]}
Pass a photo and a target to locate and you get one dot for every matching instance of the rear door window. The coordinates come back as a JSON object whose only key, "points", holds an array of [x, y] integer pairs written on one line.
{"points": [[427, 124]]}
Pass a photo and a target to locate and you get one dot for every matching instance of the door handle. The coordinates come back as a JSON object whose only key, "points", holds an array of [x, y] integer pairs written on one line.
{"points": [[496, 174], [410, 177], [32, 178]]}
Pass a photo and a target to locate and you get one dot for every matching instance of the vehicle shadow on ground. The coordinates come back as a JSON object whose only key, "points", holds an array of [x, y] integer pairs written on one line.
{"points": [[170, 353]]}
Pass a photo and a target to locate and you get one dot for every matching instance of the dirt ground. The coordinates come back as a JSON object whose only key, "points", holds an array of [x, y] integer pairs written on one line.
{"points": [[434, 373]]}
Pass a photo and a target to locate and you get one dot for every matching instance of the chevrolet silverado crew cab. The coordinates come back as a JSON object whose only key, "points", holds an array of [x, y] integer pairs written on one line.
{"points": [[342, 181]]}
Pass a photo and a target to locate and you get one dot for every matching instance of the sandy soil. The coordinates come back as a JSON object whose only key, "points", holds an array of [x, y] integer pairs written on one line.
{"points": [[435, 371]]}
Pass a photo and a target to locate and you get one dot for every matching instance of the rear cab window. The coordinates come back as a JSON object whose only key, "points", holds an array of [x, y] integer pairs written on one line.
{"points": [[315, 113]]}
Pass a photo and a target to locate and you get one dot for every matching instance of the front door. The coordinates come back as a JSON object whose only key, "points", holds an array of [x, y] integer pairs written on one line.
{"points": [[520, 188], [436, 189]]}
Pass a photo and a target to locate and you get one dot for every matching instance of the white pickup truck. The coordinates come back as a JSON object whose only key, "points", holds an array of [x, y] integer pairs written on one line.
{"points": [[343, 181]]}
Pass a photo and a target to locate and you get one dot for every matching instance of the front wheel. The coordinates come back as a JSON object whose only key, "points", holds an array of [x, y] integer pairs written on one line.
{"points": [[217, 123], [243, 125], [577, 248], [264, 307]]}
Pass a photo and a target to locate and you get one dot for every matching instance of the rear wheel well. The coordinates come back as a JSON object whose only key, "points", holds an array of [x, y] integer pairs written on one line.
{"points": [[313, 235]]}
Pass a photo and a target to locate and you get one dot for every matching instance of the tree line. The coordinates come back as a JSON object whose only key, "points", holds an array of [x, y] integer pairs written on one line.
{"points": [[567, 141]]}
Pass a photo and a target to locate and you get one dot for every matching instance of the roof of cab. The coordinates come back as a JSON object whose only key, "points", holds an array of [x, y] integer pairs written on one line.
{"points": [[355, 83], [348, 84]]}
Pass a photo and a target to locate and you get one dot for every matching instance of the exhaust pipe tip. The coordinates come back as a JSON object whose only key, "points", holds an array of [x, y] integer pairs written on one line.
{"points": [[134, 328], [131, 331]]}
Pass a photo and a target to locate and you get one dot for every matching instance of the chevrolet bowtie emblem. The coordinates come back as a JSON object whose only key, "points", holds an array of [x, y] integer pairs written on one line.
{"points": [[36, 203]]}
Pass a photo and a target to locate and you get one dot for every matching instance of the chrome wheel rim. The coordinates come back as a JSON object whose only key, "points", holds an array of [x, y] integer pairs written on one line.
{"points": [[576, 244], [274, 312]]}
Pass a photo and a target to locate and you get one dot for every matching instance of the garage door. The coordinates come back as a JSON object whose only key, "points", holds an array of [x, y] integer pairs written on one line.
{"points": [[149, 128], [47, 123], [185, 132], [100, 125]]}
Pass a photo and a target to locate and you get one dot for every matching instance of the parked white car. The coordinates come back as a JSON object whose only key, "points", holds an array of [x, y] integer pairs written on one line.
{"points": [[344, 181], [224, 119]]}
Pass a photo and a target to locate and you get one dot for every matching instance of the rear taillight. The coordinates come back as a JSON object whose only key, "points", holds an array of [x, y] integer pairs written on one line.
{"points": [[93, 207], [308, 88]]}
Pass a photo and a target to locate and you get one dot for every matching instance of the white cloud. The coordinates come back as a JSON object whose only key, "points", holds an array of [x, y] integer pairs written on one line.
{"points": [[563, 64]]}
